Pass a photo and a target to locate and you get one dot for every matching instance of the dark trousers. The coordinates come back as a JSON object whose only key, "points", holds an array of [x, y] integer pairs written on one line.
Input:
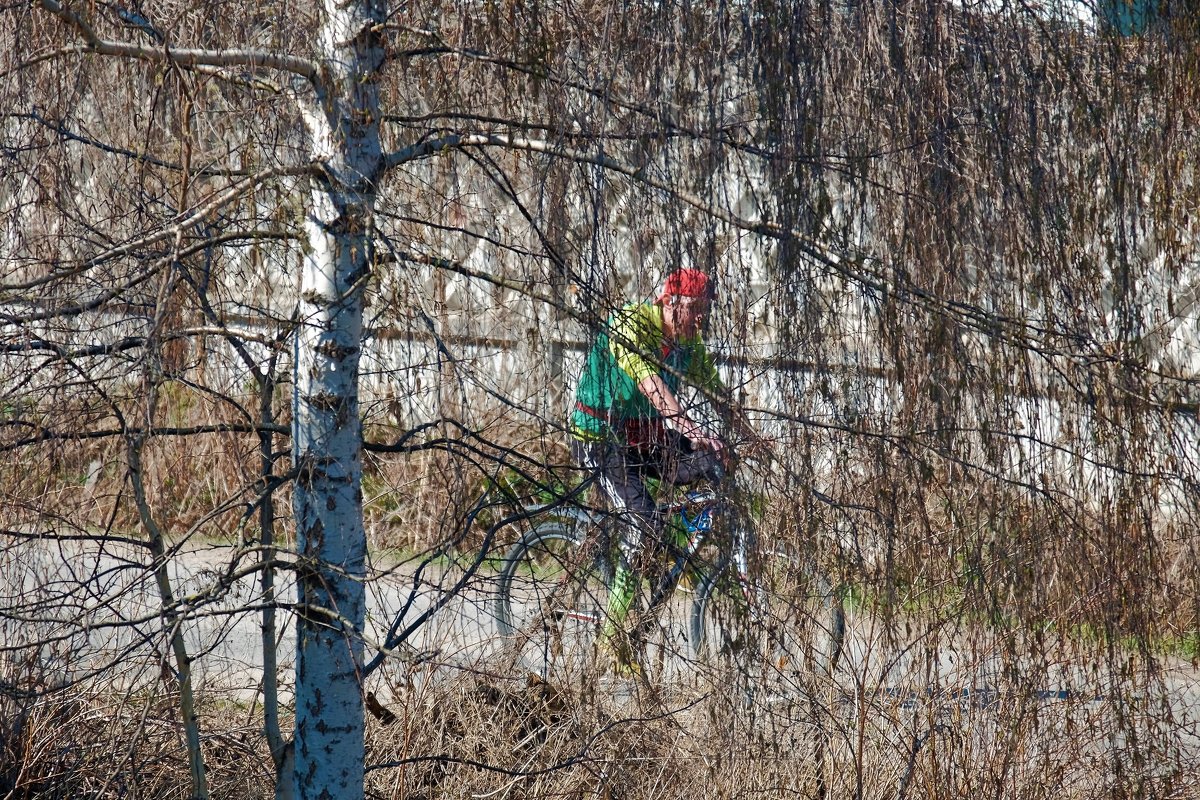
{"points": [[621, 472]]}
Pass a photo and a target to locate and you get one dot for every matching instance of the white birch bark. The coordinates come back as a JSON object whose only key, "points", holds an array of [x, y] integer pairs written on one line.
{"points": [[344, 131]]}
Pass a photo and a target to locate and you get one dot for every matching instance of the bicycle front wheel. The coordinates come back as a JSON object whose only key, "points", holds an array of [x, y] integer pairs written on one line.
{"points": [[551, 597], [782, 629]]}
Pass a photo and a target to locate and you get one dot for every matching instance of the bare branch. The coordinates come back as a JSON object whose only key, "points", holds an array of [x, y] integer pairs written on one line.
{"points": [[185, 57]]}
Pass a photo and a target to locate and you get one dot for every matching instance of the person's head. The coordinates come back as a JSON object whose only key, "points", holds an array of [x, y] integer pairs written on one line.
{"points": [[686, 297]]}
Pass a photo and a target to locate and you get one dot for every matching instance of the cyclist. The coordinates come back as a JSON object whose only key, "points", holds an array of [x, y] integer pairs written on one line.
{"points": [[628, 425]]}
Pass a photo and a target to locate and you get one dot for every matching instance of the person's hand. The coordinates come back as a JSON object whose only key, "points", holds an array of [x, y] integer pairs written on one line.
{"points": [[698, 436], [707, 442]]}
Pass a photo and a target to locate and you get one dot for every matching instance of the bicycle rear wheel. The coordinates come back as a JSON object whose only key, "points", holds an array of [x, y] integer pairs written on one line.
{"points": [[783, 632], [552, 595]]}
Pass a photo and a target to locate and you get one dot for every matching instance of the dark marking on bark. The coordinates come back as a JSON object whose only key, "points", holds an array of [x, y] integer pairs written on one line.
{"points": [[359, 274], [326, 401], [352, 220], [324, 727], [314, 535], [332, 349]]}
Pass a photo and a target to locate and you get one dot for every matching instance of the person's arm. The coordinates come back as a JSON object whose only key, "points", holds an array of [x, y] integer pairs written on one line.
{"points": [[633, 327], [667, 404]]}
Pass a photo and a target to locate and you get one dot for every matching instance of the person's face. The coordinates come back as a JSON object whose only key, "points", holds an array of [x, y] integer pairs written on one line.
{"points": [[684, 316]]}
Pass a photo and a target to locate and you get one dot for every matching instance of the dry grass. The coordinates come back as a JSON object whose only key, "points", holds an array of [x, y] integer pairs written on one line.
{"points": [[473, 739], [83, 742]]}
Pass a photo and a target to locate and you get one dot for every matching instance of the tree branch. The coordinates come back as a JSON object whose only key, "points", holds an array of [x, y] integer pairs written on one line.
{"points": [[202, 211], [185, 57]]}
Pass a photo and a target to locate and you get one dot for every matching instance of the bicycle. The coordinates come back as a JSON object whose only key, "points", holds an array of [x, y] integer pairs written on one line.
{"points": [[763, 611]]}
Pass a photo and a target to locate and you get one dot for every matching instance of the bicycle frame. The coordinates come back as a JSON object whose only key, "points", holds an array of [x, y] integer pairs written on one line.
{"points": [[697, 527], [734, 577], [696, 511]]}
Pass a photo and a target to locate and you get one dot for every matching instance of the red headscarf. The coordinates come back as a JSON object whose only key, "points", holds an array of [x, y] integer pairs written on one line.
{"points": [[688, 283]]}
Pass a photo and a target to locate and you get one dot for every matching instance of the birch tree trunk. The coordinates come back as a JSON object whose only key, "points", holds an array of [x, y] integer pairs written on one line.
{"points": [[344, 131]]}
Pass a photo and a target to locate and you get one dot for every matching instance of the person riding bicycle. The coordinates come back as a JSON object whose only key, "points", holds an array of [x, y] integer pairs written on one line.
{"points": [[628, 426]]}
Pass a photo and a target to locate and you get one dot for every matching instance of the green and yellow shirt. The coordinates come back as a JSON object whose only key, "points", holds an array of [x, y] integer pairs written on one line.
{"points": [[630, 348]]}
